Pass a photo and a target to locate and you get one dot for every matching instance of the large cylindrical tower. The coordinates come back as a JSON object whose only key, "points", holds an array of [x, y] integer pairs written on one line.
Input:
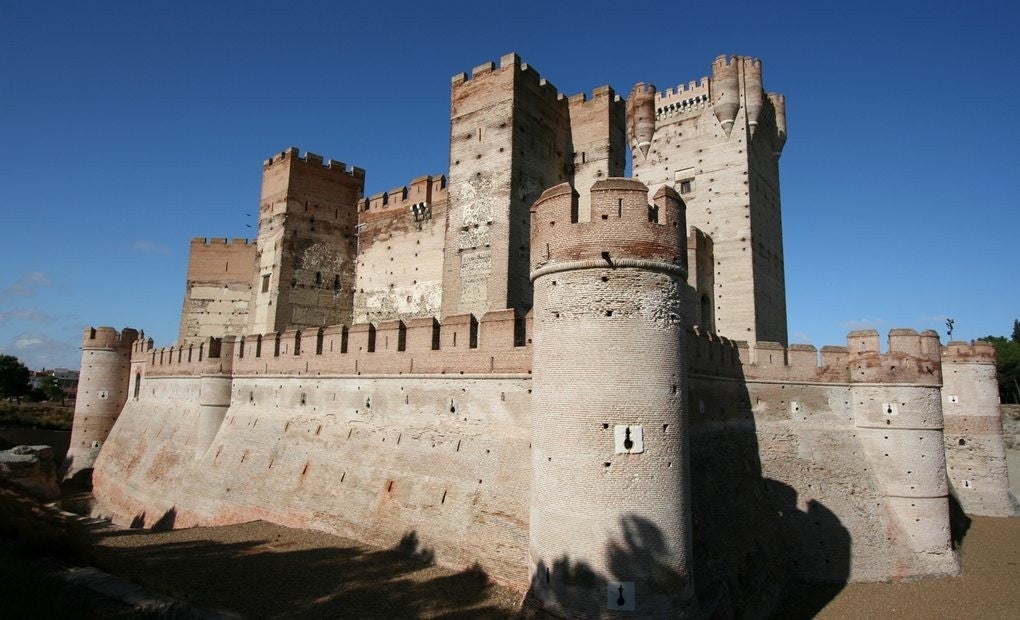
{"points": [[102, 392], [610, 508]]}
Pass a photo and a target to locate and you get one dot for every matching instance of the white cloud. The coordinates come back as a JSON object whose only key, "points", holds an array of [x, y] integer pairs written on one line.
{"points": [[800, 338], [863, 324], [26, 314], [40, 351], [25, 286], [149, 247]]}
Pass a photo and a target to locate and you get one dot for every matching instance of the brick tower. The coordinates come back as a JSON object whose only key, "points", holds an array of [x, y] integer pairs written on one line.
{"points": [[717, 142], [512, 135], [610, 501], [102, 392], [305, 256]]}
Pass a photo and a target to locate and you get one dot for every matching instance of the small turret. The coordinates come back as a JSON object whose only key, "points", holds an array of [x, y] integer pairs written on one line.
{"points": [[641, 117], [725, 91], [753, 93], [779, 104], [102, 391]]}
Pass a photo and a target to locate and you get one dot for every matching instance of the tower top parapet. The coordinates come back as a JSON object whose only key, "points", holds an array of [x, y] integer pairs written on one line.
{"points": [[624, 228], [976, 351], [108, 338], [510, 61], [293, 155]]}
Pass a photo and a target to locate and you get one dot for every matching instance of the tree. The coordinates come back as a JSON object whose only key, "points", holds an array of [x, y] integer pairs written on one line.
{"points": [[1016, 330], [13, 378], [52, 389], [1007, 367]]}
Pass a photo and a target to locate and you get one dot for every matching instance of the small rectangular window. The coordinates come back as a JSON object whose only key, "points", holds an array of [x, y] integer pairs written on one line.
{"points": [[265, 283], [686, 186]]}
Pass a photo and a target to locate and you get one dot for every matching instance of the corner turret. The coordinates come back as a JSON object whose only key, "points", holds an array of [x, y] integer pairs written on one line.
{"points": [[641, 117], [102, 392], [725, 91]]}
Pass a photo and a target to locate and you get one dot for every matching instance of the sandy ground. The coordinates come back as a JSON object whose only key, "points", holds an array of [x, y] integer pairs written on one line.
{"points": [[262, 570]]}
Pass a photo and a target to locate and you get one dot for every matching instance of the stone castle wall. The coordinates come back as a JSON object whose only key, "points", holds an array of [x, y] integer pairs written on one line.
{"points": [[794, 470]]}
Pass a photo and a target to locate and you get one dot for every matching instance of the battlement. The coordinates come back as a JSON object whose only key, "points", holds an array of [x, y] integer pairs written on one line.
{"points": [[598, 95], [424, 189], [512, 62], [977, 351], [141, 345], [211, 241], [726, 60], [461, 344], [211, 356], [692, 97], [292, 154], [623, 226], [912, 358], [108, 338]]}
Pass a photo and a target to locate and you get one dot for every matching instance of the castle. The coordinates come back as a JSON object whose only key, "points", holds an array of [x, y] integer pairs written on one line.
{"points": [[579, 382]]}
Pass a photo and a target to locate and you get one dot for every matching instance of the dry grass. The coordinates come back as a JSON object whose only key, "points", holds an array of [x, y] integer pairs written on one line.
{"points": [[36, 415]]}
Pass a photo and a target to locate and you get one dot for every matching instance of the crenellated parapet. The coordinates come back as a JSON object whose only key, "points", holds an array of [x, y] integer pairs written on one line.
{"points": [[977, 352], [293, 155], [624, 229], [212, 356], [219, 241], [461, 344], [683, 100], [427, 190], [508, 63], [599, 95], [912, 358], [108, 338]]}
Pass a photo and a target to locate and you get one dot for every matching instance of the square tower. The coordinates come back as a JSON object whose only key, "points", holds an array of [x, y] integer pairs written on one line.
{"points": [[305, 256], [717, 142], [512, 136], [509, 141]]}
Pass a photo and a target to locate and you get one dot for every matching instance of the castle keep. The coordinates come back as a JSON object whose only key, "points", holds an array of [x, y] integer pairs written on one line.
{"points": [[577, 381]]}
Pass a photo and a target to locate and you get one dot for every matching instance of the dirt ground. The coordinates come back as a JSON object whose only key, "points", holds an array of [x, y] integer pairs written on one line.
{"points": [[261, 570]]}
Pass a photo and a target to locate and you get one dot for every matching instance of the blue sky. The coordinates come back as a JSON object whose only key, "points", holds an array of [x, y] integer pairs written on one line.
{"points": [[129, 127]]}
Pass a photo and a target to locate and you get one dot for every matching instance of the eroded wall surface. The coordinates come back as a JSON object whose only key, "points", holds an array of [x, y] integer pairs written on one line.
{"points": [[440, 461], [816, 465], [400, 252]]}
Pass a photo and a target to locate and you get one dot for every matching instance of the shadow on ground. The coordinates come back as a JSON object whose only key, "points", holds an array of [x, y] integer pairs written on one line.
{"points": [[264, 575]]}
